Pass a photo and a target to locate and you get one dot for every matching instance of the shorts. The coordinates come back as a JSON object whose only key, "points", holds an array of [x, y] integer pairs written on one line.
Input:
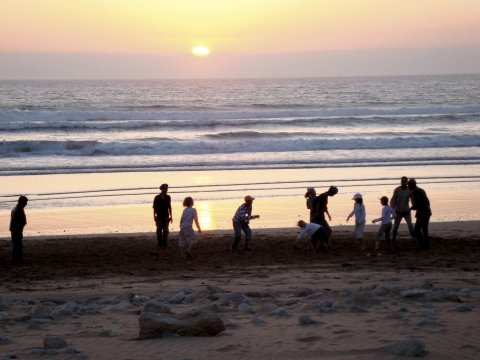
{"points": [[186, 237]]}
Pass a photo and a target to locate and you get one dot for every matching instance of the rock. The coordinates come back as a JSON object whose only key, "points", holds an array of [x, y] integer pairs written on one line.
{"points": [[443, 296], [267, 308], [385, 290], [212, 308], [110, 333], [326, 306], [4, 304], [8, 356], [121, 306], [305, 320], [246, 308], [190, 298], [415, 293], [428, 312], [463, 308], [3, 315], [66, 310], [71, 350], [40, 311], [427, 285], [238, 298], [303, 292], [232, 325], [407, 347], [52, 342], [4, 340], [157, 308], [258, 321], [280, 312], [193, 323], [177, 298], [316, 295]]}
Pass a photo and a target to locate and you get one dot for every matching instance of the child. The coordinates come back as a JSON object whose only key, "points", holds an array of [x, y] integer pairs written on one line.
{"points": [[186, 236], [241, 221], [317, 233], [360, 215], [386, 219]]}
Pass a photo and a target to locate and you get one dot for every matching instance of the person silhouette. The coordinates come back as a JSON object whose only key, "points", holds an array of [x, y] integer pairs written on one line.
{"points": [[320, 206], [18, 221], [241, 221], [421, 204], [400, 205], [162, 215]]}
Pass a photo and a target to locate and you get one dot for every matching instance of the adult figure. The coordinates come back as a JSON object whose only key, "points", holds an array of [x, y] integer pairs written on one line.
{"points": [[400, 203], [18, 220], [162, 215], [310, 196], [241, 221], [421, 204], [320, 205]]}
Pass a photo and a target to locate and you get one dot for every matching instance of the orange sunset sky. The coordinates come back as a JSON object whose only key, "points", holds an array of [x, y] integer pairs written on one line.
{"points": [[248, 38]]}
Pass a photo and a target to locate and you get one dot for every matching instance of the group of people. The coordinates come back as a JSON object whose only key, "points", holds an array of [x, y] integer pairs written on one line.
{"points": [[162, 215], [405, 198]]}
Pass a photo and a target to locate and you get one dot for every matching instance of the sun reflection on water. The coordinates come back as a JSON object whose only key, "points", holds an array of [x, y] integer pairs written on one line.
{"points": [[205, 216]]}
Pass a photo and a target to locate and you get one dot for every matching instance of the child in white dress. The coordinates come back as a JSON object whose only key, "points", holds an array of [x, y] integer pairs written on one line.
{"points": [[360, 218], [186, 236]]}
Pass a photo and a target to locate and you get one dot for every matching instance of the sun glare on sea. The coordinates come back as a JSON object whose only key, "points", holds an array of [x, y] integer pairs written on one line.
{"points": [[200, 51]]}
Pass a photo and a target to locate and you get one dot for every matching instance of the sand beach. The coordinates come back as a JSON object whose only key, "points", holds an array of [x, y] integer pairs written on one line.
{"points": [[275, 301], [102, 102]]}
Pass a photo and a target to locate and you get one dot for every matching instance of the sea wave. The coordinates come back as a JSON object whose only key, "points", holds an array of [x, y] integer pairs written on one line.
{"points": [[248, 120], [47, 114], [232, 146]]}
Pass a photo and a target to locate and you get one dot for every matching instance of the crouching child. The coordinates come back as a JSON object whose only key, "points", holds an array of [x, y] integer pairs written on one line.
{"points": [[318, 235]]}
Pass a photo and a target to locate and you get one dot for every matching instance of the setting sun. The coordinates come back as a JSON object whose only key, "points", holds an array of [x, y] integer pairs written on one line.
{"points": [[200, 51]]}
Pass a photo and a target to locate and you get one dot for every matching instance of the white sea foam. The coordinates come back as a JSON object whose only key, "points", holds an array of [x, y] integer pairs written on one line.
{"points": [[127, 126]]}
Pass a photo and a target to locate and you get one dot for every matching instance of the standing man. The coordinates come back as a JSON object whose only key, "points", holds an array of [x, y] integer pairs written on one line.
{"points": [[400, 205], [162, 215], [240, 221], [421, 204], [320, 206], [18, 221]]}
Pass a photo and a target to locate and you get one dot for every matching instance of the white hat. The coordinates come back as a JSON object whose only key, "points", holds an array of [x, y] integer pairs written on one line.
{"points": [[357, 196]]}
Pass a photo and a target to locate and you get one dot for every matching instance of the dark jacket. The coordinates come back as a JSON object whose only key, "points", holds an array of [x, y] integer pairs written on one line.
{"points": [[18, 219], [320, 206], [420, 203]]}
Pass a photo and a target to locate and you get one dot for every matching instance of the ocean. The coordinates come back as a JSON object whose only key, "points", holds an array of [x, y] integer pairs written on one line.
{"points": [[384, 124]]}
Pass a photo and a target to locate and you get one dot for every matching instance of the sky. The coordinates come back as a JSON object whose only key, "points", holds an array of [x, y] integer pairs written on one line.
{"points": [[88, 39]]}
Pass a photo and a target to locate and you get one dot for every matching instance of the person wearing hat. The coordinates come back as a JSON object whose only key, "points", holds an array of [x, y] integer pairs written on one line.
{"points": [[240, 221], [18, 220], [162, 215], [320, 206], [360, 217]]}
